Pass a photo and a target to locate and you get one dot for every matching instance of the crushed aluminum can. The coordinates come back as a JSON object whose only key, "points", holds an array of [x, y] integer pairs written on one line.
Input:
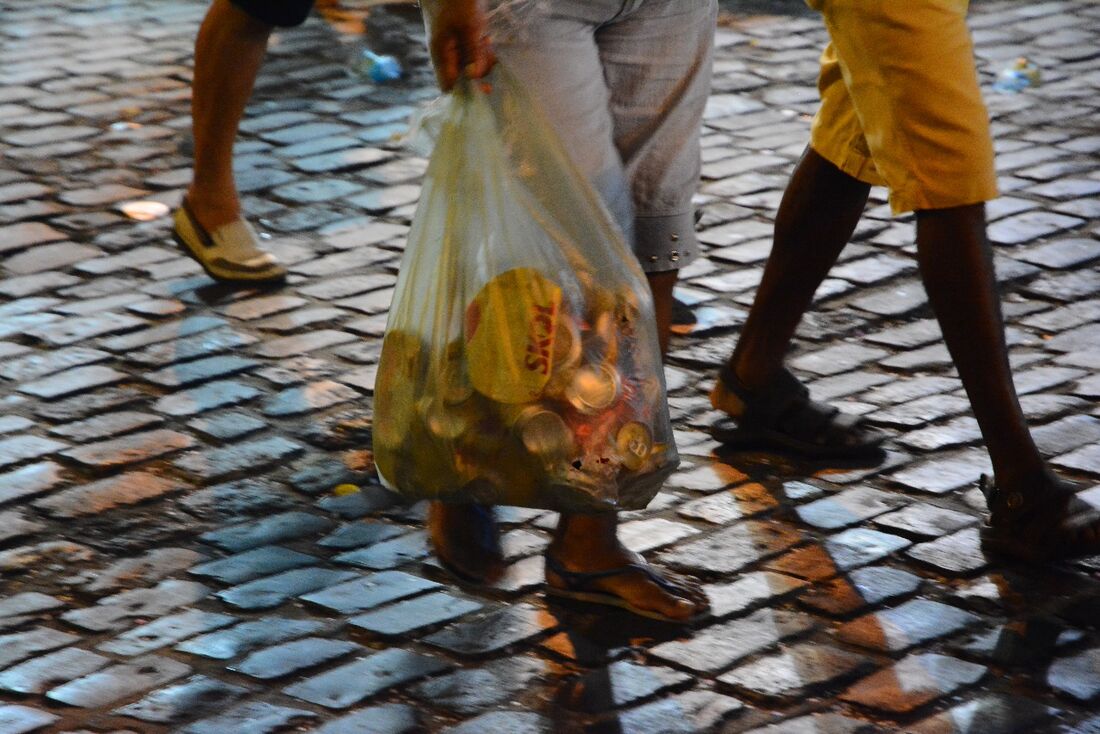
{"points": [[594, 388], [510, 330], [544, 434], [634, 445]]}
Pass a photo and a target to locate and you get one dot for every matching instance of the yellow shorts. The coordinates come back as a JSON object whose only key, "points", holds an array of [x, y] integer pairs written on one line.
{"points": [[900, 102]]}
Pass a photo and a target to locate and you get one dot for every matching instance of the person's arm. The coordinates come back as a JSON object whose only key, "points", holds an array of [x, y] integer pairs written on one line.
{"points": [[459, 40]]}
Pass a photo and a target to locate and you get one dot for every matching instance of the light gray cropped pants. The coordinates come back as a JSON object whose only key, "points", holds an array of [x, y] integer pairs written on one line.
{"points": [[624, 82]]}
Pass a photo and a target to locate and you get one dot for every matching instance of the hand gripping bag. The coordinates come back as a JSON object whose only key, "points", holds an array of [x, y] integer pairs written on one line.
{"points": [[520, 364]]}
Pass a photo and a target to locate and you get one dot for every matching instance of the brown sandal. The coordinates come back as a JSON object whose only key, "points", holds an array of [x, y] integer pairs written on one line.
{"points": [[782, 417], [1050, 524]]}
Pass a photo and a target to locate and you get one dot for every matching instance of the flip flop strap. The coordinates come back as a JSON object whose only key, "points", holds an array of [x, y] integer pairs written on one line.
{"points": [[580, 580]]}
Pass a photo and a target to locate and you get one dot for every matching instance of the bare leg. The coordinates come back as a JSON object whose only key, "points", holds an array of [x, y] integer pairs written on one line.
{"points": [[228, 53], [956, 263], [816, 218], [586, 543]]}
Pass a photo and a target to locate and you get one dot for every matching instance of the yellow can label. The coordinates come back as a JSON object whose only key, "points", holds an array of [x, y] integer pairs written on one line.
{"points": [[510, 330]]}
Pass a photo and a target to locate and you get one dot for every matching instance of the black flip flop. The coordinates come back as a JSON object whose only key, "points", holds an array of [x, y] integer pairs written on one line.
{"points": [[578, 588]]}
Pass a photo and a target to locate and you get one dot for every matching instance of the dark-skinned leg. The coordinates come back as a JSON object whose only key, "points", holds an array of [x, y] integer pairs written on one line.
{"points": [[956, 263], [587, 543], [817, 216], [1034, 515], [228, 53]]}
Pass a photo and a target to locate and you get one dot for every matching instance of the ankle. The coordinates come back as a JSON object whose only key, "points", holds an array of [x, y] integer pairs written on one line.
{"points": [[214, 211]]}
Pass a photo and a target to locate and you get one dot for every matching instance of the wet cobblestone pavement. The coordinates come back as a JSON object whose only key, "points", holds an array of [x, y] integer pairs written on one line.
{"points": [[174, 556]]}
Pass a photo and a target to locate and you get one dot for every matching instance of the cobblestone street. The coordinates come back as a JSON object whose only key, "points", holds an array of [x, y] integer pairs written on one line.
{"points": [[179, 550]]}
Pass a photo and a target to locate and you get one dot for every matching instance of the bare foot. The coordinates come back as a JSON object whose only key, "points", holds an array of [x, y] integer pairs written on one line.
{"points": [[466, 541], [649, 590]]}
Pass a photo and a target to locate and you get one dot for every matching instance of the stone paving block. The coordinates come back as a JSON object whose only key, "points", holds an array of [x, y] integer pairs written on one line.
{"points": [[14, 524], [191, 347], [114, 611], [21, 448], [271, 591], [359, 534], [861, 546], [150, 567], [919, 412], [26, 285], [20, 324], [1027, 643], [26, 234], [174, 330], [165, 631], [389, 553], [210, 396], [913, 623], [29, 480], [720, 646], [810, 562], [642, 536], [490, 633], [40, 364], [79, 407], [848, 507], [201, 370], [407, 616], [348, 684], [134, 448], [16, 719], [912, 682], [39, 674], [18, 607], [308, 398], [253, 564], [821, 723], [82, 328], [227, 426], [197, 696], [693, 711], [251, 456], [119, 681], [1077, 676], [238, 500], [1029, 226], [23, 558], [229, 643], [796, 672], [732, 548], [390, 718], [995, 713], [266, 531], [749, 591], [367, 592], [253, 717], [55, 256], [468, 691], [956, 554], [22, 645], [924, 521], [860, 589], [78, 379], [304, 343], [107, 425], [513, 722], [1086, 459], [290, 657], [946, 472], [621, 684], [105, 494]]}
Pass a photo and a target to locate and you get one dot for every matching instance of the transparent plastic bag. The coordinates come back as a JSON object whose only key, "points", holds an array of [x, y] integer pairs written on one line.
{"points": [[520, 364]]}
